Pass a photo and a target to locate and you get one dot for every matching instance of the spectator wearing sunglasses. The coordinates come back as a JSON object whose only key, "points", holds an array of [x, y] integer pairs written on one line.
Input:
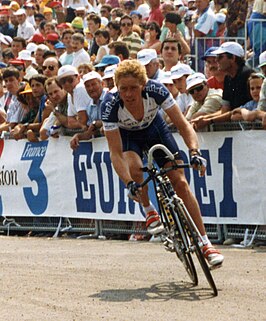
{"points": [[50, 67], [206, 100], [132, 39], [77, 97]]}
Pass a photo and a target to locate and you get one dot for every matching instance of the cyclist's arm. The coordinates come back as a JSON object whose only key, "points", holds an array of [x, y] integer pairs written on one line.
{"points": [[185, 129], [116, 153]]}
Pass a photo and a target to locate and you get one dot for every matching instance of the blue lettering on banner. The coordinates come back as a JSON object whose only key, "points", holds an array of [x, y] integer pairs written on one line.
{"points": [[228, 207], [85, 160], [35, 153], [81, 165], [108, 187], [86, 193], [208, 209]]}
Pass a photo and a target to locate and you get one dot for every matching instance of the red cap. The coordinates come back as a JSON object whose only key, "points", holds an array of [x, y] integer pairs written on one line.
{"points": [[52, 37], [54, 4], [37, 38], [4, 12], [17, 62], [63, 25]]}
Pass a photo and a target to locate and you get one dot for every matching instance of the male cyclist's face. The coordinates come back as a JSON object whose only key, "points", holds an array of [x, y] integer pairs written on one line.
{"points": [[130, 90]]}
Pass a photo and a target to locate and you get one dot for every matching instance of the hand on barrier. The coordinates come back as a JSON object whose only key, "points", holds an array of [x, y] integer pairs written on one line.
{"points": [[134, 190], [199, 163]]}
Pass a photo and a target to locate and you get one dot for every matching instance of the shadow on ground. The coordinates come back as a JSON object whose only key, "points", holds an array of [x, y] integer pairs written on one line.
{"points": [[158, 292]]}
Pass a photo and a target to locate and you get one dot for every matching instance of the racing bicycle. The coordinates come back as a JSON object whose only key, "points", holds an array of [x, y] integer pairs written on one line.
{"points": [[181, 235]]}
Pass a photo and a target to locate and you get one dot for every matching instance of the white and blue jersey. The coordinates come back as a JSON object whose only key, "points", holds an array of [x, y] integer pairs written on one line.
{"points": [[115, 114], [139, 136]]}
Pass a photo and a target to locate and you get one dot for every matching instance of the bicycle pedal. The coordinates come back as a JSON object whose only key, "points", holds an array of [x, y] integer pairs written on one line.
{"points": [[169, 245]]}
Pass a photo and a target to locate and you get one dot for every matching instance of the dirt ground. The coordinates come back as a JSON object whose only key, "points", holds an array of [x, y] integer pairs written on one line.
{"points": [[71, 279]]}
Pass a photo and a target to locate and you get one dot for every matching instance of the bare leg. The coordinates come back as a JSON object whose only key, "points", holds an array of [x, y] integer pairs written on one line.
{"points": [[183, 190], [135, 164]]}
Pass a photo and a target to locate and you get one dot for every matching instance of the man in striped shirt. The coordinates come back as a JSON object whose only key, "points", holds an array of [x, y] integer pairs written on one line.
{"points": [[131, 38]]}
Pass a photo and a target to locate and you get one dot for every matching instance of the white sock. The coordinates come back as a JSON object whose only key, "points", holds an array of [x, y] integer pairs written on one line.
{"points": [[149, 208], [205, 239]]}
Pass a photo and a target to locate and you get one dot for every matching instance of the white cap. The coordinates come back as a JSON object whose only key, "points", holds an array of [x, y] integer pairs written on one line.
{"points": [[5, 39], [91, 75], [25, 55], [178, 3], [220, 17], [19, 12], [80, 9], [31, 47], [179, 70], [104, 21], [195, 79], [43, 47], [67, 70], [144, 10], [262, 59], [145, 56], [109, 71], [230, 47], [166, 78]]}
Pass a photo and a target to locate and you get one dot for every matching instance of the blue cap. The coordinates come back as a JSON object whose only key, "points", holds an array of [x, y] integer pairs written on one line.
{"points": [[108, 60], [208, 53], [59, 45], [2, 65], [136, 12]]}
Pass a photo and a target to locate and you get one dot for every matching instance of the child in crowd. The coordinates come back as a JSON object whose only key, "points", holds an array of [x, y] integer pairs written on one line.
{"points": [[248, 111], [102, 38]]}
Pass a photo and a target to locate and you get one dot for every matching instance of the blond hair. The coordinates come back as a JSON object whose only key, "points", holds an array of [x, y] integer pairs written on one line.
{"points": [[131, 68]]}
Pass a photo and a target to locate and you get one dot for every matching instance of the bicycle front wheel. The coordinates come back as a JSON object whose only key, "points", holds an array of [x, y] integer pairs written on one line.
{"points": [[194, 240], [177, 240]]}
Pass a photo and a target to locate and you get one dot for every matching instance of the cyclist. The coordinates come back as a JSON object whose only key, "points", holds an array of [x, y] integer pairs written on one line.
{"points": [[132, 124]]}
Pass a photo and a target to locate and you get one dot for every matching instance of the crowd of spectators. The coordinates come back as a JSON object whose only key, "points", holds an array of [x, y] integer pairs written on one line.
{"points": [[58, 60]]}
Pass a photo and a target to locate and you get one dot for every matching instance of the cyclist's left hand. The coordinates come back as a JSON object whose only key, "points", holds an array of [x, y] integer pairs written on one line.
{"points": [[199, 163]]}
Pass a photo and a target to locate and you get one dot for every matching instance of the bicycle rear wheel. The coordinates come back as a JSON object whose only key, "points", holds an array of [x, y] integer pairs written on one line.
{"points": [[194, 239], [178, 242]]}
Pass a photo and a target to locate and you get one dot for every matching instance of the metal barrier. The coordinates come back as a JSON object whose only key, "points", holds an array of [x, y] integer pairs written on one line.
{"points": [[256, 33]]}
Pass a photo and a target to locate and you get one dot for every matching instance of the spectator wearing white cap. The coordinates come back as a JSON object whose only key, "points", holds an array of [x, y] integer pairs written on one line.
{"points": [[149, 59], [94, 86], [25, 56], [25, 28], [169, 84], [179, 74], [78, 98], [108, 76], [230, 57], [206, 100]]}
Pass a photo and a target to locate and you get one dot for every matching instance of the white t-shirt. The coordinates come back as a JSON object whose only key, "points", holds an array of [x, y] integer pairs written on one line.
{"points": [[80, 100]]}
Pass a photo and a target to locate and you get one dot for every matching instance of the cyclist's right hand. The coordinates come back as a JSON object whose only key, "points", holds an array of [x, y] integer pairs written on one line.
{"points": [[134, 190]]}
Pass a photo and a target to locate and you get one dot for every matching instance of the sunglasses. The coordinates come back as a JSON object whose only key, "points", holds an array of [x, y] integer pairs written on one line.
{"points": [[128, 24], [51, 68], [196, 89], [101, 69], [66, 79], [151, 28]]}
